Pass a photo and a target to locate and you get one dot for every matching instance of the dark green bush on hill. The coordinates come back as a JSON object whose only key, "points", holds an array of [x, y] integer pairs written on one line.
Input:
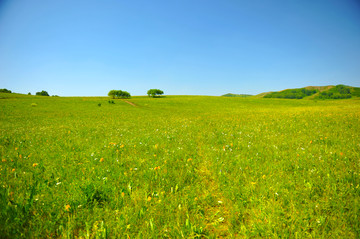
{"points": [[42, 93], [291, 94], [5, 91], [337, 92]]}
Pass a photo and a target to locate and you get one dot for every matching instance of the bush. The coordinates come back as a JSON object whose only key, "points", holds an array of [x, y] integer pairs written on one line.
{"points": [[5, 91], [42, 93]]}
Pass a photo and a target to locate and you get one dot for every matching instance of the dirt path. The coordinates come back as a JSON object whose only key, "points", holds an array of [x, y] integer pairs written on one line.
{"points": [[130, 103]]}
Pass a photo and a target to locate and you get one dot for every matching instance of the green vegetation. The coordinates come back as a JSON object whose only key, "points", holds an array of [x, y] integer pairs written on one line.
{"points": [[236, 95], [291, 93], [190, 166], [155, 93], [119, 94], [337, 92], [5, 91], [42, 93]]}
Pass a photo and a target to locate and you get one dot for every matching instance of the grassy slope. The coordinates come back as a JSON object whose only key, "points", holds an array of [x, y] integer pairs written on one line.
{"points": [[179, 166], [319, 88]]}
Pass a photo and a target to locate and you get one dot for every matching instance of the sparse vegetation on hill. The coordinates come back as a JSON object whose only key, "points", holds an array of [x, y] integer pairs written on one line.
{"points": [[291, 93], [338, 92], [315, 92], [236, 95]]}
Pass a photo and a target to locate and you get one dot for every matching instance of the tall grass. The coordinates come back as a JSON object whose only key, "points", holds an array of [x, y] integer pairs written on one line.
{"points": [[180, 166]]}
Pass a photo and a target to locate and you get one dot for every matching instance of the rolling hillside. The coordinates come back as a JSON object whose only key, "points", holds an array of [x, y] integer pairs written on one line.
{"points": [[315, 92]]}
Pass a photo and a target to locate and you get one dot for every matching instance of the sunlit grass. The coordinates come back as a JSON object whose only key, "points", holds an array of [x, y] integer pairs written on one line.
{"points": [[179, 167]]}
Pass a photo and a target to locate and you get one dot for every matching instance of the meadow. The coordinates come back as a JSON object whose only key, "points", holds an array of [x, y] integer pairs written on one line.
{"points": [[179, 166]]}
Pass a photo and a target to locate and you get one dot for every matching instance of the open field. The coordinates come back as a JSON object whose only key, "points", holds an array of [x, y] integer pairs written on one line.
{"points": [[179, 166]]}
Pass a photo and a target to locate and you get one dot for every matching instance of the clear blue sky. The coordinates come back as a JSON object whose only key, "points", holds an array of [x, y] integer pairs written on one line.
{"points": [[193, 47]]}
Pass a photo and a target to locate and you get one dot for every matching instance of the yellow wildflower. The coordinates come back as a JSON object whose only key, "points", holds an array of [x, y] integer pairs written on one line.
{"points": [[67, 207], [102, 160], [35, 164]]}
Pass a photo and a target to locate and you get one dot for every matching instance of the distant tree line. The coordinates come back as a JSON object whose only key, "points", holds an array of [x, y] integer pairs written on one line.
{"points": [[291, 94], [40, 93], [124, 94], [236, 95]]}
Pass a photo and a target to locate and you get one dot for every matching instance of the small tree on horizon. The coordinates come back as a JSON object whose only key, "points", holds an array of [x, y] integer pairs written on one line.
{"points": [[42, 93], [154, 92], [119, 94], [112, 93]]}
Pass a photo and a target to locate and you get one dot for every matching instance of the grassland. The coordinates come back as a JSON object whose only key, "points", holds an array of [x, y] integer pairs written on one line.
{"points": [[179, 166]]}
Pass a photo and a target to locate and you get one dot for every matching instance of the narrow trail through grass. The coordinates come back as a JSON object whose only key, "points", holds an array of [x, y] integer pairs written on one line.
{"points": [[130, 103], [218, 208]]}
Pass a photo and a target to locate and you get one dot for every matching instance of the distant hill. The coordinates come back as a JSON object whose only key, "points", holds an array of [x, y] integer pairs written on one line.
{"points": [[315, 92], [236, 95]]}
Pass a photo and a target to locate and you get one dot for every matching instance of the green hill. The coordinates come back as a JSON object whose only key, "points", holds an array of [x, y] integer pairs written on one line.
{"points": [[292, 93], [315, 92]]}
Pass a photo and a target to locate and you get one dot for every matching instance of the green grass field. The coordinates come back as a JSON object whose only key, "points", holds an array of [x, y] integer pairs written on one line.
{"points": [[179, 166]]}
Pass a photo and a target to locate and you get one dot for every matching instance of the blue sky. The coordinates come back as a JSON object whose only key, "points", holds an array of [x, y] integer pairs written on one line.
{"points": [[192, 47]]}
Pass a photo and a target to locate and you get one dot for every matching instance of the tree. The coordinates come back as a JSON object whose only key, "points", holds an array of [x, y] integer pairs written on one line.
{"points": [[119, 94], [5, 91], [112, 93], [42, 93], [154, 92]]}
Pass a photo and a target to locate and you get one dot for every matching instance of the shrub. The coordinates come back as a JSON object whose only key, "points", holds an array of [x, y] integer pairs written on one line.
{"points": [[42, 93], [5, 91]]}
